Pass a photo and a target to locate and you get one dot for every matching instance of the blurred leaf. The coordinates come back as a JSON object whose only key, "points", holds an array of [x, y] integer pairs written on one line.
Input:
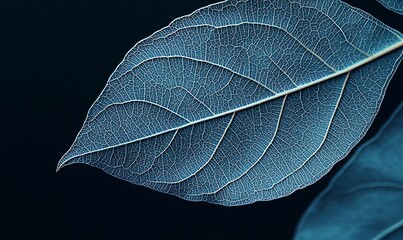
{"points": [[364, 200]]}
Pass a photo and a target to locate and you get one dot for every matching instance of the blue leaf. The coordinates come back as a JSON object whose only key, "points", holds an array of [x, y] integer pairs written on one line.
{"points": [[393, 5], [241, 101], [364, 200]]}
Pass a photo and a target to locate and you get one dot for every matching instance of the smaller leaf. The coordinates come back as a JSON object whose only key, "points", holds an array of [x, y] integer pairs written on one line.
{"points": [[364, 200], [393, 5]]}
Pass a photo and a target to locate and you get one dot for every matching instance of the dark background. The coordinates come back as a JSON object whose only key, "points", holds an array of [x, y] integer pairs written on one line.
{"points": [[56, 57]]}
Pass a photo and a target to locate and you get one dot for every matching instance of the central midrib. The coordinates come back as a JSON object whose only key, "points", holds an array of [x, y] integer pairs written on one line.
{"points": [[298, 88]]}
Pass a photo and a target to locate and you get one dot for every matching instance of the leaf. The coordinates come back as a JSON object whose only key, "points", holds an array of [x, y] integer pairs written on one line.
{"points": [[364, 200], [241, 101], [393, 5]]}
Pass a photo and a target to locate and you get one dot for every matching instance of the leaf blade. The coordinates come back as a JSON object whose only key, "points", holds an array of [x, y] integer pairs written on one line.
{"points": [[393, 5], [194, 93]]}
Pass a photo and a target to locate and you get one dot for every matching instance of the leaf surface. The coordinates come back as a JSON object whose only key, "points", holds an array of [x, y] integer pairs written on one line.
{"points": [[241, 101], [364, 200]]}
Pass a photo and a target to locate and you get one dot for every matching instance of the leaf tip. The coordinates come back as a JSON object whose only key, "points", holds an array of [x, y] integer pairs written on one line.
{"points": [[59, 166], [63, 162]]}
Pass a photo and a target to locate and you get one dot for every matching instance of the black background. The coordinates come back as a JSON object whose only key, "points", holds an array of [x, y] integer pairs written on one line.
{"points": [[56, 57]]}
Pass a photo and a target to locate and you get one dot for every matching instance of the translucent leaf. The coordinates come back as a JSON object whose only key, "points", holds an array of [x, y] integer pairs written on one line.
{"points": [[364, 200], [393, 5], [241, 101]]}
